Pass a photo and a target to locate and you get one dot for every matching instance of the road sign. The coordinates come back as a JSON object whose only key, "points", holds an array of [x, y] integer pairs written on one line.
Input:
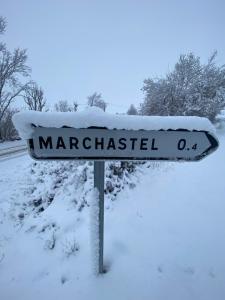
{"points": [[98, 143], [102, 144]]}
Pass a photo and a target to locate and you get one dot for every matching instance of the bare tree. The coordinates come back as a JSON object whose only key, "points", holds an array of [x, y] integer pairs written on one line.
{"points": [[34, 97], [12, 68], [96, 100], [63, 106], [75, 106], [12, 65], [7, 129]]}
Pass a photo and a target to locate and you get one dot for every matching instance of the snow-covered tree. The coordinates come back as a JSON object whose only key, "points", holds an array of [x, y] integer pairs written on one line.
{"points": [[132, 110], [96, 100], [191, 88]]}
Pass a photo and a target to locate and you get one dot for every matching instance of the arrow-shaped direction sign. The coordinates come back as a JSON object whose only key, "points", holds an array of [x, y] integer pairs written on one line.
{"points": [[103, 144]]}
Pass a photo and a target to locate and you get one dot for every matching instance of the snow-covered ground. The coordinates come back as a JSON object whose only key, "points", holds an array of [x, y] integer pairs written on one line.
{"points": [[164, 232]]}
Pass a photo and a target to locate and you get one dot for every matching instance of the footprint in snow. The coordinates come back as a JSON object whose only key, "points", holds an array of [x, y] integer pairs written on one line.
{"points": [[212, 273], [120, 247], [160, 269], [41, 275], [63, 279], [189, 270]]}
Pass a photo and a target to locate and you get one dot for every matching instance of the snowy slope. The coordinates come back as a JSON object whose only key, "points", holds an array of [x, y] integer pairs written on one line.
{"points": [[164, 238]]}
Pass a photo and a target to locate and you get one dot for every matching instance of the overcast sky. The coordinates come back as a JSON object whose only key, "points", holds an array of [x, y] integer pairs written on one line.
{"points": [[78, 47]]}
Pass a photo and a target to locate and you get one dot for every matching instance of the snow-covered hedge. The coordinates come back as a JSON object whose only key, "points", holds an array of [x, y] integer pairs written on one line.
{"points": [[73, 180]]}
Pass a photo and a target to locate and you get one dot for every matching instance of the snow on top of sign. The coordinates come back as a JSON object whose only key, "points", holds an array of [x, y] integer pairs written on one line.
{"points": [[94, 116]]}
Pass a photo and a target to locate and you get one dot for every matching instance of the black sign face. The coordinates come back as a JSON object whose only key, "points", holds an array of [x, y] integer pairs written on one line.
{"points": [[104, 144]]}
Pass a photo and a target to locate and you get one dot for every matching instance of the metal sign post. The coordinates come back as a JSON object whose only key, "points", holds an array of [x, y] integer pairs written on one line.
{"points": [[99, 170]]}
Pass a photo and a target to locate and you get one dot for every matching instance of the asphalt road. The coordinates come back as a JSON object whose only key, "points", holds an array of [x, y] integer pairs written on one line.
{"points": [[11, 152]]}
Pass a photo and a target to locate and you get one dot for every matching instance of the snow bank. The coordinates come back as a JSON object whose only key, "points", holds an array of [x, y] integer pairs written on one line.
{"points": [[94, 116]]}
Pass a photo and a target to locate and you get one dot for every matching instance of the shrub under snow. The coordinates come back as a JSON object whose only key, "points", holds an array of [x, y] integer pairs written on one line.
{"points": [[74, 180]]}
